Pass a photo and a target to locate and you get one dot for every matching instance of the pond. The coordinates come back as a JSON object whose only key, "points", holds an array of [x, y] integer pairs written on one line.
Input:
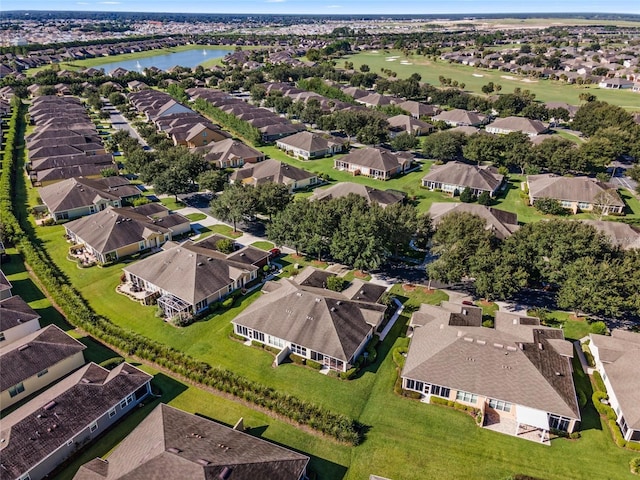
{"points": [[164, 61]]}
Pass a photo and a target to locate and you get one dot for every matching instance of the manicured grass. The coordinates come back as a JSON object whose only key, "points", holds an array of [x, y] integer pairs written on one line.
{"points": [[222, 229], [489, 309], [196, 217], [415, 295], [171, 203], [430, 71], [574, 329], [360, 274], [409, 183], [263, 245], [511, 201], [289, 263]]}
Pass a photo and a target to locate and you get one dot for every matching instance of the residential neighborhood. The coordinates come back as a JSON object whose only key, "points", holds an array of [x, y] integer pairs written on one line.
{"points": [[323, 246]]}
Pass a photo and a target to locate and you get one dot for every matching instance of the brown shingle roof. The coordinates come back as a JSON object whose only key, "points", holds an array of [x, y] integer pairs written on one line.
{"points": [[465, 175], [14, 311], [495, 364], [170, 444], [343, 189], [574, 189], [501, 223]]}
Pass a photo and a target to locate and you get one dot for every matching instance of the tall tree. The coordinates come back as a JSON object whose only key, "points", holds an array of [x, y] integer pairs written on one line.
{"points": [[236, 202], [272, 198]]}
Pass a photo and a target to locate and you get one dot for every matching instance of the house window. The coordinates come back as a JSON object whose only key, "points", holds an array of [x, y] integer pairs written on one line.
{"points": [[69, 442], [112, 412], [43, 373], [126, 401], [141, 245], [242, 330], [558, 423], [466, 397], [439, 391], [499, 405], [298, 350], [259, 336], [276, 342], [2, 337], [584, 206], [16, 389], [93, 427], [414, 385], [318, 357], [26, 476]]}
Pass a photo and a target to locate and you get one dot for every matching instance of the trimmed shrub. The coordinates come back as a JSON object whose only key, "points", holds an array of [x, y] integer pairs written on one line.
{"points": [[411, 394], [349, 374], [582, 399], [228, 302], [617, 434], [314, 365], [335, 283], [297, 359], [602, 408], [271, 349], [112, 363], [634, 465], [599, 383], [237, 337]]}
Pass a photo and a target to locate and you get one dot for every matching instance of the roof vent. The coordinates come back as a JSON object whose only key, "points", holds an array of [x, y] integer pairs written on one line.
{"points": [[333, 309], [558, 374], [540, 346], [203, 462], [338, 302], [317, 299], [498, 345], [200, 264], [23, 347], [521, 346], [511, 348], [299, 294], [85, 380], [481, 342], [50, 405], [173, 450], [468, 339], [515, 321]]}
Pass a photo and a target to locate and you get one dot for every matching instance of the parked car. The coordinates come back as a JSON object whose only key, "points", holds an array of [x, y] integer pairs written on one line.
{"points": [[275, 252]]}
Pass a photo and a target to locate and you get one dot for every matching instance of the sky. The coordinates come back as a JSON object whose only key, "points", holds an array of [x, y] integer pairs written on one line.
{"points": [[330, 6]]}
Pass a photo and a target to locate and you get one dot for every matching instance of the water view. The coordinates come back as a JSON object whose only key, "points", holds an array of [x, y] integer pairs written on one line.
{"points": [[186, 58]]}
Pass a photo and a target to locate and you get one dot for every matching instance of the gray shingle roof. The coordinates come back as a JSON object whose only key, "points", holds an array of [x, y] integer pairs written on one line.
{"points": [[519, 124], [310, 142], [173, 444], [573, 189], [34, 353], [620, 357], [343, 189], [376, 158], [620, 234], [495, 364], [189, 274], [114, 228], [14, 311], [463, 174], [461, 117], [321, 320], [75, 405], [272, 171], [501, 223], [81, 192]]}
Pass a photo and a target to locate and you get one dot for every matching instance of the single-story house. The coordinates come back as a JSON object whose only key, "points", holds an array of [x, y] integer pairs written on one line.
{"points": [[115, 233], [196, 447], [307, 145], [50, 428], [617, 358], [517, 124], [375, 99], [518, 374], [419, 110], [575, 193], [379, 163], [198, 135], [17, 319], [454, 177], [36, 360], [76, 197], [501, 223], [617, 83], [620, 234], [461, 118], [315, 323], [372, 195], [274, 171], [230, 153], [407, 124], [187, 278]]}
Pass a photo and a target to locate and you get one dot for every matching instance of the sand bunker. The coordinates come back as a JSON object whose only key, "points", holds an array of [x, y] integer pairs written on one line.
{"points": [[404, 62], [507, 77], [477, 75]]}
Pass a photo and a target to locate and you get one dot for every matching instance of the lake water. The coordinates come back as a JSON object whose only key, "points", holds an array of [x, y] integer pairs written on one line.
{"points": [[164, 61]]}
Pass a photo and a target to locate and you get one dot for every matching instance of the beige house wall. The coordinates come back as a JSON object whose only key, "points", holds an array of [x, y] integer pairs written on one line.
{"points": [[35, 383], [21, 331]]}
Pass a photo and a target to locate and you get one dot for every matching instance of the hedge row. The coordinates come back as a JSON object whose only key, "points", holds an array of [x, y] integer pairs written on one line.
{"points": [[608, 412], [240, 127], [80, 314]]}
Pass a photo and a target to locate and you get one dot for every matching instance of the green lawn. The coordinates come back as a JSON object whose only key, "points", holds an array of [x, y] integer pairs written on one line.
{"points": [[221, 229], [196, 217], [263, 245], [289, 263], [574, 329], [361, 275], [414, 296], [171, 203], [474, 78], [409, 183]]}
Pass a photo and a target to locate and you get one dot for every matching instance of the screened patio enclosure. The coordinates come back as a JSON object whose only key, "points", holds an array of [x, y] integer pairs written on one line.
{"points": [[173, 306]]}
